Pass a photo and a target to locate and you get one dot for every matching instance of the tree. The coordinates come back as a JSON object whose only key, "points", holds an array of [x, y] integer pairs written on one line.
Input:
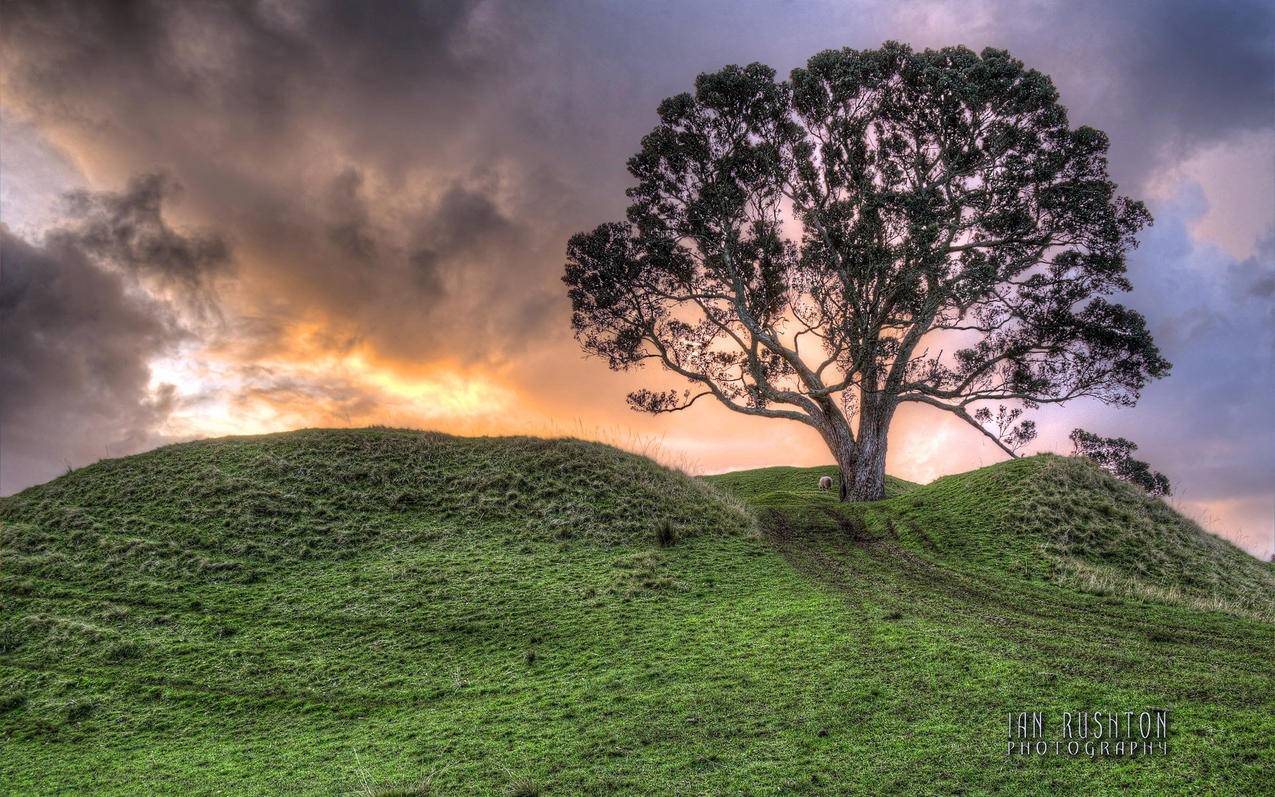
{"points": [[887, 226], [1115, 456]]}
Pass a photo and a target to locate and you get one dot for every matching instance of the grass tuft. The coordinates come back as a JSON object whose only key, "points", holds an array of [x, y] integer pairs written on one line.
{"points": [[523, 787], [665, 534]]}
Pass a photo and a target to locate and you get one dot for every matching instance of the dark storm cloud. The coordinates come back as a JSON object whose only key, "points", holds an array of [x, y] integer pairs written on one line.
{"points": [[261, 61], [1221, 340], [322, 135], [74, 374], [1255, 277], [350, 229], [1198, 70], [463, 224], [368, 159], [128, 229], [1264, 286], [1208, 426], [79, 331]]}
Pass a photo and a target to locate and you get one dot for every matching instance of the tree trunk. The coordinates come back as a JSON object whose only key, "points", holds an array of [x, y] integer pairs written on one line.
{"points": [[861, 461], [846, 462], [840, 440], [863, 474], [867, 472]]}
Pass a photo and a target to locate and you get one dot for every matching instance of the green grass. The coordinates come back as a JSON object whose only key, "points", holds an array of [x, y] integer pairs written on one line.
{"points": [[798, 483], [390, 612]]}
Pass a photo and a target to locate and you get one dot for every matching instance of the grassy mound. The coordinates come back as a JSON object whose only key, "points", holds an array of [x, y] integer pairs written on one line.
{"points": [[381, 611], [329, 492], [1062, 519]]}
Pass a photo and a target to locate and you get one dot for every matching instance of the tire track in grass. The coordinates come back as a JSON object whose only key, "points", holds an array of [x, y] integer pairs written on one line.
{"points": [[1051, 626], [1028, 606]]}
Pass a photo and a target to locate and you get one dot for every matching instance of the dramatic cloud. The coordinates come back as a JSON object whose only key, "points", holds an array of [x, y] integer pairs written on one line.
{"points": [[128, 230], [80, 331], [1215, 318], [397, 181], [74, 376]]}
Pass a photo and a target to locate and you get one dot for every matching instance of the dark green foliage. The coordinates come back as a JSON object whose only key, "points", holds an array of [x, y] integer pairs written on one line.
{"points": [[929, 191], [1115, 456]]}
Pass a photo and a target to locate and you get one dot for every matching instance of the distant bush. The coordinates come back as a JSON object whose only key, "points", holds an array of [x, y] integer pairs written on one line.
{"points": [[1114, 455]]}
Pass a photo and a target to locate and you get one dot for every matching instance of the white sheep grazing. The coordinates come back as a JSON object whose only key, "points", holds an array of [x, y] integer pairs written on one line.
{"points": [[825, 482]]}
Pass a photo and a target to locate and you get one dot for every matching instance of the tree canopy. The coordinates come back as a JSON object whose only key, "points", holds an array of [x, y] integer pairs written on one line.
{"points": [[886, 226]]}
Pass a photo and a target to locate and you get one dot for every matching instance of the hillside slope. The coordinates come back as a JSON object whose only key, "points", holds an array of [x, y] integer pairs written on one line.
{"points": [[1048, 518], [334, 490], [390, 612], [1063, 519]]}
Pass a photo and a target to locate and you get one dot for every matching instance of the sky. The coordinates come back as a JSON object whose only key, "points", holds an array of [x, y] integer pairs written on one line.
{"points": [[230, 218]]}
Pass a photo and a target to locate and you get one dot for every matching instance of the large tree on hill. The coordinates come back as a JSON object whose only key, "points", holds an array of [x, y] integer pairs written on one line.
{"points": [[887, 226]]}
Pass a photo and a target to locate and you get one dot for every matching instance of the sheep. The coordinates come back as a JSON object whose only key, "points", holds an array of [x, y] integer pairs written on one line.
{"points": [[825, 482]]}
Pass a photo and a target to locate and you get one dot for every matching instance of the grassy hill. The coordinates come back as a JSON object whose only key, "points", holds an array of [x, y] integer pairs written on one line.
{"points": [[1043, 518], [391, 612]]}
